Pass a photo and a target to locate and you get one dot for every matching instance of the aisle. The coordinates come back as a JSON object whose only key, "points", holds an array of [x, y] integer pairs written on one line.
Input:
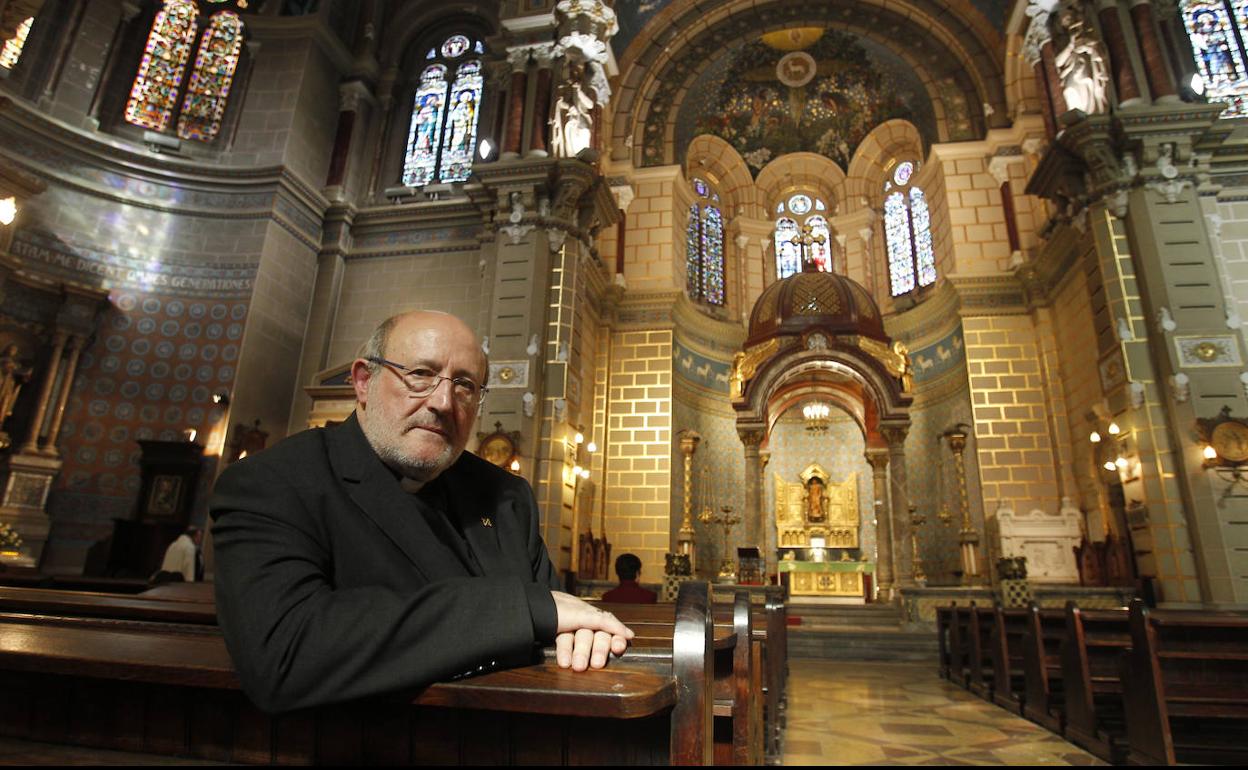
{"points": [[858, 713]]}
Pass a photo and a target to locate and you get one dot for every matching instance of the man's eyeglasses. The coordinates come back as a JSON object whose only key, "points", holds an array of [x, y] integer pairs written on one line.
{"points": [[421, 381]]}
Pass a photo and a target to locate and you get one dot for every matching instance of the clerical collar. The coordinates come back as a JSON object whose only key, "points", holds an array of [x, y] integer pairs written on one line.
{"points": [[411, 486]]}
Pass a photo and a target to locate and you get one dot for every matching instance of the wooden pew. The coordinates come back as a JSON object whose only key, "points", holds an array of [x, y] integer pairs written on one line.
{"points": [[959, 646], [169, 688], [1044, 702], [980, 672], [1091, 653], [1005, 643], [1185, 683], [738, 692]]}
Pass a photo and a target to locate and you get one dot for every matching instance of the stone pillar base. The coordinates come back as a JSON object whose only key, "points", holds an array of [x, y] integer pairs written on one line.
{"points": [[26, 480]]}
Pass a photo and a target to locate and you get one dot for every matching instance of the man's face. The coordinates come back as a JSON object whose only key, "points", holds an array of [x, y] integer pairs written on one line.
{"points": [[420, 436]]}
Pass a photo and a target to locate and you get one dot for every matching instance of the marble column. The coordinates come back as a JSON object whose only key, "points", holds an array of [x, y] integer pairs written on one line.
{"points": [[884, 567], [540, 126], [753, 514], [1159, 79], [31, 445], [900, 500], [1119, 58], [1056, 98], [1036, 43], [519, 60], [62, 397]]}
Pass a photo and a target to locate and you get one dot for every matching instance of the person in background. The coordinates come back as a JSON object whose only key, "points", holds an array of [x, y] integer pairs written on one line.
{"points": [[183, 560], [628, 569]]}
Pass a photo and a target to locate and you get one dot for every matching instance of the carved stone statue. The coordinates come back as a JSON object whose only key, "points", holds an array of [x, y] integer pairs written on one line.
{"points": [[573, 123], [1083, 66], [12, 377]]}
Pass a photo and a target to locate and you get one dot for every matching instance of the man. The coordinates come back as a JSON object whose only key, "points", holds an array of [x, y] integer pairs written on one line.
{"points": [[628, 569], [182, 560], [376, 556]]}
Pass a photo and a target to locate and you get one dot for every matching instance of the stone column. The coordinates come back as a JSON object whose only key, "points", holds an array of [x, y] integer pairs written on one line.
{"points": [[349, 95], [519, 60], [540, 126], [1159, 79], [62, 397], [1120, 60], [753, 513], [129, 12], [895, 435], [884, 568], [31, 446], [1036, 44]]}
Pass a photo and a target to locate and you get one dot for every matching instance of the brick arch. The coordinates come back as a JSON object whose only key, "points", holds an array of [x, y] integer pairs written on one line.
{"points": [[711, 154], [800, 170], [892, 140], [681, 41]]}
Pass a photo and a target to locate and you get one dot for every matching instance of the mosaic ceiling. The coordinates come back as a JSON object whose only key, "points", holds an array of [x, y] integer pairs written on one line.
{"points": [[808, 89]]}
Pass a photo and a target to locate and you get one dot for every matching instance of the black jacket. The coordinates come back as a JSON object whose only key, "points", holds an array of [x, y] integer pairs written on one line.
{"points": [[331, 584]]}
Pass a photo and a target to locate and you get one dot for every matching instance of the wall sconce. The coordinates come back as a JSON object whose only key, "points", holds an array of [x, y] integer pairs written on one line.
{"points": [[1113, 452], [221, 397], [1225, 449]]}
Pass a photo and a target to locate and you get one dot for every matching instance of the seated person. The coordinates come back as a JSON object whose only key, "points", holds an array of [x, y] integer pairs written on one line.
{"points": [[377, 556], [183, 561], [628, 569]]}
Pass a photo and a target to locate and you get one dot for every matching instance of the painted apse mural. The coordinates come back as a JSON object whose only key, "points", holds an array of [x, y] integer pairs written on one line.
{"points": [[806, 89]]}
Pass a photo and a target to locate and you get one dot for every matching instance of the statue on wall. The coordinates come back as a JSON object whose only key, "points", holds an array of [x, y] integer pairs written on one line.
{"points": [[816, 501], [573, 123], [1083, 65], [12, 377]]}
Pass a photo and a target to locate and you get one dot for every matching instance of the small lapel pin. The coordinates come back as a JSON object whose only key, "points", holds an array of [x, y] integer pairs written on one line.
{"points": [[486, 522]]}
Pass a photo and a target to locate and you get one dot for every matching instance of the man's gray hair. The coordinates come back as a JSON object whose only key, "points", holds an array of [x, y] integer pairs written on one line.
{"points": [[374, 348]]}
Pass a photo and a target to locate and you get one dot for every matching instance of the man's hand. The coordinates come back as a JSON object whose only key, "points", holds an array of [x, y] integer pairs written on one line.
{"points": [[586, 634]]}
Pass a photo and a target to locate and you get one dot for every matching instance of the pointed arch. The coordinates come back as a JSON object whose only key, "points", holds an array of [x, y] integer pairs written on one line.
{"points": [[209, 86], [153, 96]]}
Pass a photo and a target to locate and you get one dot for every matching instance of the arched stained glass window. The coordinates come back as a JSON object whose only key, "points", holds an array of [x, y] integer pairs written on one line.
{"points": [[209, 88], [788, 257], [154, 94], [158, 94], [704, 247], [1217, 30], [820, 251], [425, 134], [442, 135], [908, 233], [12, 50]]}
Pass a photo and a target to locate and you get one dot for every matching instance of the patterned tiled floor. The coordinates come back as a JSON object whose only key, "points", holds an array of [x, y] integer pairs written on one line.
{"points": [[904, 714]]}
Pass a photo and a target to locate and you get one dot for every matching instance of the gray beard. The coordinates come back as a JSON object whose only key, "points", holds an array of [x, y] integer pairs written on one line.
{"points": [[419, 470]]}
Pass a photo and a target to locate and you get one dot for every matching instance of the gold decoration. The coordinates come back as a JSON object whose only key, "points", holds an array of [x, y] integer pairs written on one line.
{"points": [[896, 359], [817, 507], [1208, 351], [499, 447], [506, 374], [746, 363], [1230, 441], [813, 295]]}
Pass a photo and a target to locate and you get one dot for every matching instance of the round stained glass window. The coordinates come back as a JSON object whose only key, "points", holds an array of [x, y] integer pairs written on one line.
{"points": [[903, 173], [799, 204], [455, 46]]}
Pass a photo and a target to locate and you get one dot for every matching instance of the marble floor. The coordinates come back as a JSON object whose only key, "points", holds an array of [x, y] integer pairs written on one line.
{"points": [[858, 713]]}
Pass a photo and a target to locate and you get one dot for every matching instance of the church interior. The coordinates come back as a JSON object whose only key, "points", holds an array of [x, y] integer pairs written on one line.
{"points": [[891, 302]]}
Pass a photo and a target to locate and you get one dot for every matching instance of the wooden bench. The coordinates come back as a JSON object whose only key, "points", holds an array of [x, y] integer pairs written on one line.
{"points": [[944, 627], [169, 688], [1005, 642], [1044, 702], [1092, 656], [1185, 684], [738, 671], [981, 675]]}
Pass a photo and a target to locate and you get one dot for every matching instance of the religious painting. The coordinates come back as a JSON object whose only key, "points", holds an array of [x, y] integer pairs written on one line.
{"points": [[818, 91], [163, 499]]}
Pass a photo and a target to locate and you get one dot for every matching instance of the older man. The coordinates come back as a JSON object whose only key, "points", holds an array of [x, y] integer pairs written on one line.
{"points": [[376, 556]]}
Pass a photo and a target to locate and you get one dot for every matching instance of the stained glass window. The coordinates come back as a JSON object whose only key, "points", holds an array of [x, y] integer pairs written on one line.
{"points": [[1216, 29], [209, 88], [799, 204], [819, 204], [712, 255], [897, 232], [425, 132], [820, 253], [155, 91], [461, 123], [693, 251], [12, 50], [788, 256], [442, 134], [704, 247], [908, 233]]}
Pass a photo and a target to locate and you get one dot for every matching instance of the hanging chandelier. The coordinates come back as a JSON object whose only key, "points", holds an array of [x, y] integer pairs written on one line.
{"points": [[817, 416]]}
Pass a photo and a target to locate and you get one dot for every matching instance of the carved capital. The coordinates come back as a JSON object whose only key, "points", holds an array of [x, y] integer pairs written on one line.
{"points": [[895, 435], [752, 438], [878, 458]]}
